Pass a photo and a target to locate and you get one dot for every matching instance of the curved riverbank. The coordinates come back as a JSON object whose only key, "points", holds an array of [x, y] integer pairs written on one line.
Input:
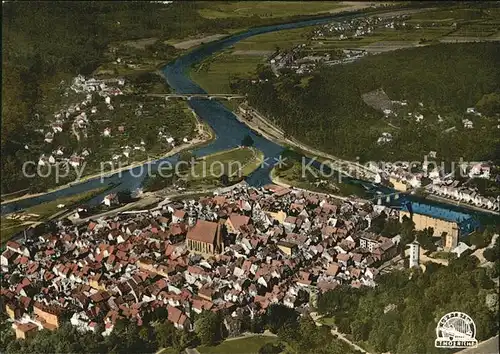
{"points": [[205, 136], [228, 130]]}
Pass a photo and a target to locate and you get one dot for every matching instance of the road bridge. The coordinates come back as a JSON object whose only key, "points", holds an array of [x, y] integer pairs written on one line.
{"points": [[189, 96]]}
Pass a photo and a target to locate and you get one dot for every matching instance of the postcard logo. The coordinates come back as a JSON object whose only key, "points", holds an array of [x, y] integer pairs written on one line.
{"points": [[456, 330]]}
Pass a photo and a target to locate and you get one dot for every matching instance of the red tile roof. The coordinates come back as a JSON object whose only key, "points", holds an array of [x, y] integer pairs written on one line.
{"points": [[238, 220], [333, 269], [175, 315], [179, 214], [204, 231]]}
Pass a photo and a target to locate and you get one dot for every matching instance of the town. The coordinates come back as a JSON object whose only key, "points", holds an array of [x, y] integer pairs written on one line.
{"points": [[250, 177], [435, 181], [233, 253], [303, 58]]}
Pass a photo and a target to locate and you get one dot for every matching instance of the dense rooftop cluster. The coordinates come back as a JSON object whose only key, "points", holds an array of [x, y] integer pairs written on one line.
{"points": [[234, 253]]}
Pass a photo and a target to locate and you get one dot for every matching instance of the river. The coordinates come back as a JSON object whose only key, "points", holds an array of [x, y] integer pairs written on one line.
{"points": [[229, 131]]}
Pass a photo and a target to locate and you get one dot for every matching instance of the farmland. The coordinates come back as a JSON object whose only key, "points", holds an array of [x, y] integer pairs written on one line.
{"points": [[275, 9], [215, 74]]}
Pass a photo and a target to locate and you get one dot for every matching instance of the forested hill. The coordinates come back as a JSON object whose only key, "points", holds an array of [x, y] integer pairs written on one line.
{"points": [[326, 109]]}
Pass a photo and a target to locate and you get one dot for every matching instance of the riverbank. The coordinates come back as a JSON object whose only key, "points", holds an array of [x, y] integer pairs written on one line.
{"points": [[148, 199], [276, 180], [266, 128], [205, 136], [457, 203], [31, 217], [194, 42], [229, 131], [263, 126]]}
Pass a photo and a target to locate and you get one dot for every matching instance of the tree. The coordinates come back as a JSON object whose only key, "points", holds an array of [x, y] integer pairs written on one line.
{"points": [[489, 104], [224, 180], [278, 315], [378, 224], [257, 324], [182, 340], [359, 330], [270, 348], [160, 313], [135, 339], [6, 333], [407, 231], [187, 159], [186, 156], [480, 239], [247, 141], [425, 238], [391, 228], [124, 196], [14, 278], [208, 328], [492, 254]]}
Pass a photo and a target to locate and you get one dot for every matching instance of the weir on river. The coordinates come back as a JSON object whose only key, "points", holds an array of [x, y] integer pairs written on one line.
{"points": [[229, 131]]}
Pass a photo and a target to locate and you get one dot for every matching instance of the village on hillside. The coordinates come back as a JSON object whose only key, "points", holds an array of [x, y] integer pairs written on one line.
{"points": [[104, 121]]}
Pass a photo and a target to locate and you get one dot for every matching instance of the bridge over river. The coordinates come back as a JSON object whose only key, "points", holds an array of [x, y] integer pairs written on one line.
{"points": [[189, 96], [229, 133]]}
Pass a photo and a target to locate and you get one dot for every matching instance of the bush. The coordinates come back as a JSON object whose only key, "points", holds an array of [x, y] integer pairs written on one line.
{"points": [[490, 254], [270, 348]]}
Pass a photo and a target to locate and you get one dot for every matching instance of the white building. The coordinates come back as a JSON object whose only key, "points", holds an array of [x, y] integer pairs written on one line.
{"points": [[468, 123], [414, 254], [461, 248], [49, 137]]}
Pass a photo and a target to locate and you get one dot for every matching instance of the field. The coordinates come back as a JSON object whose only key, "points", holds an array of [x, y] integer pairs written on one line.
{"points": [[113, 70], [214, 74], [327, 321], [453, 14], [239, 346], [235, 163], [468, 22], [279, 39], [293, 173], [265, 9], [41, 212]]}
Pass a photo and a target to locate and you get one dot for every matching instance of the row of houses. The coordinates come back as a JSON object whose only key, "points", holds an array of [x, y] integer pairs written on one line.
{"points": [[465, 194]]}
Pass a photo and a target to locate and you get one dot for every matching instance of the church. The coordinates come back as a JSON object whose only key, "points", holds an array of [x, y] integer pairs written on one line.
{"points": [[205, 237]]}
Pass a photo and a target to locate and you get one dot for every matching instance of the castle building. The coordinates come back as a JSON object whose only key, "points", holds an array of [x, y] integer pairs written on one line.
{"points": [[453, 225]]}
